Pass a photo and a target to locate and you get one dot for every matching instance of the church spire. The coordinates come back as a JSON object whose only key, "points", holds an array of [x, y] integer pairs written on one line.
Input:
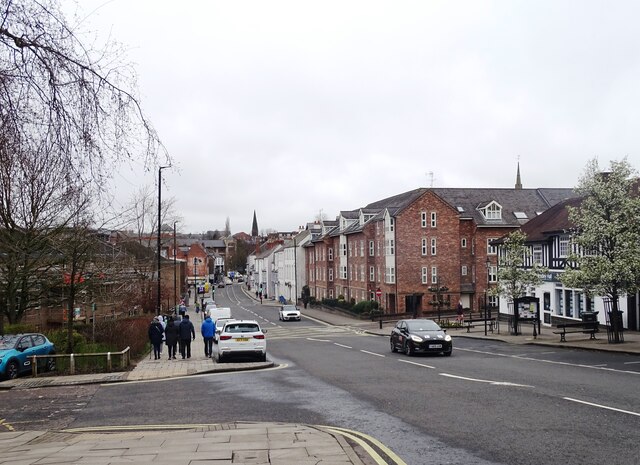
{"points": [[254, 227], [518, 182]]}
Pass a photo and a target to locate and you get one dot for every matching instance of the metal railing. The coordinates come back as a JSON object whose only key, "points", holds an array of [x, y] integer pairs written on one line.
{"points": [[86, 363]]}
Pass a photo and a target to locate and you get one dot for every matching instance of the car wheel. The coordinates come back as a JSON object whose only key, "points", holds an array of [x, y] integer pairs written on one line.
{"points": [[448, 353], [263, 357], [51, 363], [12, 370], [221, 359], [393, 346], [408, 349]]}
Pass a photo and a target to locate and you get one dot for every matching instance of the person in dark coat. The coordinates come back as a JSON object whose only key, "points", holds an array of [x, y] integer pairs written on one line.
{"points": [[187, 334], [172, 334], [155, 336]]}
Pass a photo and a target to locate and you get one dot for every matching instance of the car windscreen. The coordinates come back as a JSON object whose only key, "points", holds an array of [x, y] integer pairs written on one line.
{"points": [[290, 308], [241, 328], [422, 325]]}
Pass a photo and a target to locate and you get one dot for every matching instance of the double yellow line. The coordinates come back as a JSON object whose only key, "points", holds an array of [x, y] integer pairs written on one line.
{"points": [[369, 444]]}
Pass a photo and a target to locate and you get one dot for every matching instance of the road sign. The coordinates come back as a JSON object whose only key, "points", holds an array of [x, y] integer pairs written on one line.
{"points": [[378, 292]]}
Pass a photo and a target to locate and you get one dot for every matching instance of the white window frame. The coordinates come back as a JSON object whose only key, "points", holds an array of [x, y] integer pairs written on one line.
{"points": [[491, 249], [424, 246], [464, 270], [493, 274], [463, 242], [536, 254], [434, 219], [423, 219], [372, 273], [563, 246], [331, 274], [434, 246], [434, 275], [425, 275], [372, 249], [330, 254]]}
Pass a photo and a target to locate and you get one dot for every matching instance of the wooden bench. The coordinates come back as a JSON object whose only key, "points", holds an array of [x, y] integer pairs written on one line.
{"points": [[586, 327], [469, 321]]}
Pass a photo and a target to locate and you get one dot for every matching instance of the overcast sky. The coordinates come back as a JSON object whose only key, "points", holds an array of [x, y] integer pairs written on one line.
{"points": [[296, 108]]}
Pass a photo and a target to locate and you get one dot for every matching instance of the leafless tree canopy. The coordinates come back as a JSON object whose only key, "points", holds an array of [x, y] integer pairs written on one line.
{"points": [[61, 96]]}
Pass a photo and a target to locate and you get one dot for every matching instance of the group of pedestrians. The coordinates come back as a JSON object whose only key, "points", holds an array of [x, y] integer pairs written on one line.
{"points": [[180, 333]]}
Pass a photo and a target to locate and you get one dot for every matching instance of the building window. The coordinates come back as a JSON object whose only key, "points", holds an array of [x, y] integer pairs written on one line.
{"points": [[349, 248], [390, 247], [559, 302], [492, 301], [423, 219], [425, 276], [464, 270], [463, 242], [491, 249], [330, 274], [537, 254], [390, 275], [433, 220], [434, 275], [330, 254], [361, 248], [424, 246], [433, 246], [568, 308], [372, 249], [493, 211], [343, 248], [372, 274], [563, 246], [343, 272], [493, 274]]}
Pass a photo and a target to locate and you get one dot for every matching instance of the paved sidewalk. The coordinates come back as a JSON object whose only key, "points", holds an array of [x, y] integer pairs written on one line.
{"points": [[226, 444]]}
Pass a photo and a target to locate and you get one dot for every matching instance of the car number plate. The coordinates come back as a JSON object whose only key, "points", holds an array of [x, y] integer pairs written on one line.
{"points": [[242, 339], [435, 346]]}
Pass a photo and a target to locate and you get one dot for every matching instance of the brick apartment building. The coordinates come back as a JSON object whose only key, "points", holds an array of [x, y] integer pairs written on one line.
{"points": [[406, 246]]}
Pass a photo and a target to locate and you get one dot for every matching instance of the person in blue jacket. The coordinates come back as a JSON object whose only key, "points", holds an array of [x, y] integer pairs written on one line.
{"points": [[208, 330]]}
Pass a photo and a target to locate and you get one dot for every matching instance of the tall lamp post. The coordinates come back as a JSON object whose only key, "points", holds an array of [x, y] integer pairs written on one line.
{"points": [[196, 260], [175, 276], [159, 226], [487, 311]]}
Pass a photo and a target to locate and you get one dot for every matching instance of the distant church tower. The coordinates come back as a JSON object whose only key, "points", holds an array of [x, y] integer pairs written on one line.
{"points": [[518, 182], [254, 228]]}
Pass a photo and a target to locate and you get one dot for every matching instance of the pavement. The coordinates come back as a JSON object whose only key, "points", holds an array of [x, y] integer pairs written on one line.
{"points": [[239, 442]]}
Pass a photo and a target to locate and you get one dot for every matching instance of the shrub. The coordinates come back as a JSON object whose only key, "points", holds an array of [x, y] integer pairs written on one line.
{"points": [[366, 306], [19, 328]]}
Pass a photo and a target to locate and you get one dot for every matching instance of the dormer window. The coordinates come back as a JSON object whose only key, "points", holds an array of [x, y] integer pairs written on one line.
{"points": [[493, 211]]}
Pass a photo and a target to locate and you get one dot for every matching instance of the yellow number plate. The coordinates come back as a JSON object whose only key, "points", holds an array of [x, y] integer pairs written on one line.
{"points": [[241, 339]]}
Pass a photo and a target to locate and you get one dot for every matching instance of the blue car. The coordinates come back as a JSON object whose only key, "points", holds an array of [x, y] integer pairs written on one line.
{"points": [[16, 350]]}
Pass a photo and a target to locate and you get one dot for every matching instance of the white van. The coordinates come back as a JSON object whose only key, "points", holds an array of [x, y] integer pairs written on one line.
{"points": [[219, 315]]}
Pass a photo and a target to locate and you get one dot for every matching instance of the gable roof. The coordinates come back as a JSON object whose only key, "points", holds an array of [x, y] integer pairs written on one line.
{"points": [[555, 220]]}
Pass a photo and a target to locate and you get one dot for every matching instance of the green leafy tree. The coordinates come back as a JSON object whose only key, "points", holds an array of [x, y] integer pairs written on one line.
{"points": [[514, 279], [605, 255]]}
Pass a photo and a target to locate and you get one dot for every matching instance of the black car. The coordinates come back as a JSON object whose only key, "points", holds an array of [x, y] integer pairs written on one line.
{"points": [[420, 336]]}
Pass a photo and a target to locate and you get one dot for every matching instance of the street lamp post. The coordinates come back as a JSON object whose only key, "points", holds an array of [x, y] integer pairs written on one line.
{"points": [[175, 276], [487, 312], [159, 226], [196, 260]]}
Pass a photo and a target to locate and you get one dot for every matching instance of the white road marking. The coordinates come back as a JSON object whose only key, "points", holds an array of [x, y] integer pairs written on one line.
{"points": [[488, 381], [342, 345], [318, 340], [418, 364], [372, 353], [628, 412], [631, 363], [553, 362]]}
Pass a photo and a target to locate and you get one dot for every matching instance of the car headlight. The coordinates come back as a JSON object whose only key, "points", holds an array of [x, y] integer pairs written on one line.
{"points": [[447, 338], [415, 338]]}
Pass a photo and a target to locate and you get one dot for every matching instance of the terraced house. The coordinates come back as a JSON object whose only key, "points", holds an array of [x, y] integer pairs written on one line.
{"points": [[399, 250]]}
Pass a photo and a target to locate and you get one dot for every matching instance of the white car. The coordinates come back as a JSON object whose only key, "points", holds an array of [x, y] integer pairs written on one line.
{"points": [[242, 338], [289, 312]]}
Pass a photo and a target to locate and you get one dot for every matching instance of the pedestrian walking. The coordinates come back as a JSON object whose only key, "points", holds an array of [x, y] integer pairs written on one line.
{"points": [[208, 330], [172, 334], [187, 334], [163, 322], [155, 337], [459, 313]]}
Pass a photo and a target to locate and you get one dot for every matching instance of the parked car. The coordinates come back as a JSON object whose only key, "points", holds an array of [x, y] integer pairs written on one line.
{"points": [[242, 338], [220, 284], [289, 312], [16, 350], [420, 336], [220, 322]]}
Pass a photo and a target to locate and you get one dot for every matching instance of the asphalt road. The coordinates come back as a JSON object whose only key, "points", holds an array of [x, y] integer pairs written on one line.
{"points": [[488, 403]]}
